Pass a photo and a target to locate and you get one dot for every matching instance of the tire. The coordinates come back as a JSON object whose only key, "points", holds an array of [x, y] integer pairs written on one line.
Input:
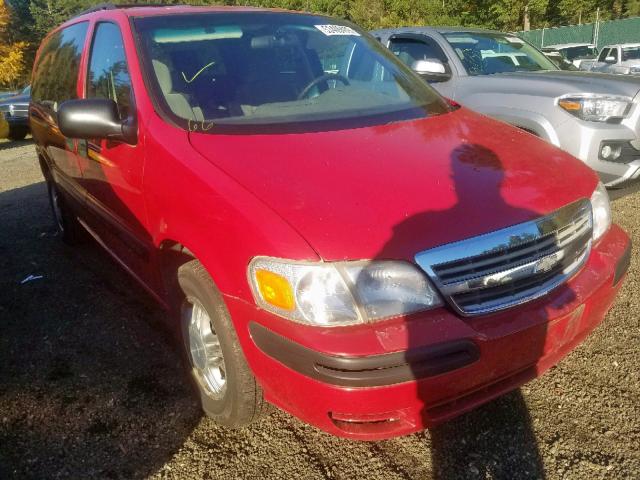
{"points": [[225, 385], [18, 133], [66, 223]]}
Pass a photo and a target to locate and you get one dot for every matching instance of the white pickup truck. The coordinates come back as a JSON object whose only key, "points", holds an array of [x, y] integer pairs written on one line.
{"points": [[621, 59]]}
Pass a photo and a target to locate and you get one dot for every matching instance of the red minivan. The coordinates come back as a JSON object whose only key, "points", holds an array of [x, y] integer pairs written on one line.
{"points": [[327, 233]]}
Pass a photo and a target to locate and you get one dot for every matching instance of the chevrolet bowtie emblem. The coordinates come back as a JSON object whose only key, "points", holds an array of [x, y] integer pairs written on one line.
{"points": [[541, 265], [547, 263]]}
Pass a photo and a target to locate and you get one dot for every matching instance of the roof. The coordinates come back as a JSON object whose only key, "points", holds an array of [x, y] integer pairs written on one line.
{"points": [[558, 46], [428, 30], [158, 9], [623, 45]]}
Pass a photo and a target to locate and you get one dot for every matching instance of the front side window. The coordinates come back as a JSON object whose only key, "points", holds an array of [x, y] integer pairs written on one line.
{"points": [[244, 70], [604, 54], [580, 52], [55, 76], [410, 50], [108, 73], [489, 53]]}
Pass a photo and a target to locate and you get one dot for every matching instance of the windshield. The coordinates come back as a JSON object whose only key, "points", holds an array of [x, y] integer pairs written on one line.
{"points": [[580, 53], [630, 53], [489, 53], [250, 70], [560, 62]]}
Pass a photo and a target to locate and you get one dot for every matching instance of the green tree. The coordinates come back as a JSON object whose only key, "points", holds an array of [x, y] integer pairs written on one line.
{"points": [[12, 51], [632, 8], [48, 14]]}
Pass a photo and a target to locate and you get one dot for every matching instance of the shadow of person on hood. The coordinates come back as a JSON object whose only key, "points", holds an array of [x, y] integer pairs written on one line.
{"points": [[497, 439]]}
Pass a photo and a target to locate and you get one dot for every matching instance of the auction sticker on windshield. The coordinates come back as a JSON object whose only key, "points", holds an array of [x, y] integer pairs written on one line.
{"points": [[337, 30]]}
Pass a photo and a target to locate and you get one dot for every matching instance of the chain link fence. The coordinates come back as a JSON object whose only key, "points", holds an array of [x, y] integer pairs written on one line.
{"points": [[600, 34]]}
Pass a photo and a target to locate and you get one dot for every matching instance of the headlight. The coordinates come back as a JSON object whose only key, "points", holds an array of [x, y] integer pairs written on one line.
{"points": [[634, 70], [601, 211], [596, 108], [341, 293]]}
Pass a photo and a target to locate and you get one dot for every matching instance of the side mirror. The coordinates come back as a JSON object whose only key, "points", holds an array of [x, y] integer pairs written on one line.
{"points": [[432, 70], [95, 118], [610, 59]]}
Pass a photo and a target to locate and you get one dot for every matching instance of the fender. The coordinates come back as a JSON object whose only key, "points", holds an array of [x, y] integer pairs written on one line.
{"points": [[531, 121], [213, 220]]}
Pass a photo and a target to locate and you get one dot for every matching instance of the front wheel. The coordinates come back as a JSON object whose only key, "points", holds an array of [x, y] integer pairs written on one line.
{"points": [[225, 385], [66, 223]]}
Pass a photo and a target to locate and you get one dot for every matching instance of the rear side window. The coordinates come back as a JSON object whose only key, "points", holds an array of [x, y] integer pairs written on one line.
{"points": [[55, 76], [630, 53], [108, 73]]}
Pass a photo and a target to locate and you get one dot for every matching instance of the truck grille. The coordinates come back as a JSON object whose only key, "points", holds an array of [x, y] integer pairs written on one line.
{"points": [[511, 266], [20, 110], [15, 110]]}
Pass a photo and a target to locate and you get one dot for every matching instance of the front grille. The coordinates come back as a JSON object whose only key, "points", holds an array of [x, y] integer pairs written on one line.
{"points": [[19, 111], [517, 264]]}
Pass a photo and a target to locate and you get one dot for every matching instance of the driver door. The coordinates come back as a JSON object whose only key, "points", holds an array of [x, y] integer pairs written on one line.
{"points": [[112, 171]]}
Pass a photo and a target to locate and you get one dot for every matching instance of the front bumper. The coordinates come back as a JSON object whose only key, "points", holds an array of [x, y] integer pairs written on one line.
{"points": [[438, 365], [584, 140], [17, 122], [366, 371]]}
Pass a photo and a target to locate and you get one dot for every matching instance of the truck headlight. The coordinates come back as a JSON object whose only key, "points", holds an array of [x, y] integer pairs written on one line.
{"points": [[340, 293], [601, 211], [596, 108]]}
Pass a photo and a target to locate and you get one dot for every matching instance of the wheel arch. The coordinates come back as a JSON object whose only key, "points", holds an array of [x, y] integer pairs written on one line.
{"points": [[531, 122], [172, 254]]}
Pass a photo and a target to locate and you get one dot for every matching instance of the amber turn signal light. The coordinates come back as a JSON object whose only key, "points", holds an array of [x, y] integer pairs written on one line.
{"points": [[275, 289], [570, 105]]}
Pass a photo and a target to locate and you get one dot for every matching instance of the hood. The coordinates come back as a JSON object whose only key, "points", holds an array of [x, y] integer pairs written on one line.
{"points": [[16, 99], [394, 190], [557, 83]]}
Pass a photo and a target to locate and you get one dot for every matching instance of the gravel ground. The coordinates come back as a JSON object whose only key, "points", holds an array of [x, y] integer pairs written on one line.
{"points": [[91, 385]]}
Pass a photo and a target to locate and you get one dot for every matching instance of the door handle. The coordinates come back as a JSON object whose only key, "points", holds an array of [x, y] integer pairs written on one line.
{"points": [[94, 147]]}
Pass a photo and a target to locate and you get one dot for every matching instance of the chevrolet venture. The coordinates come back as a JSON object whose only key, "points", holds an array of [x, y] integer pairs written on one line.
{"points": [[327, 233]]}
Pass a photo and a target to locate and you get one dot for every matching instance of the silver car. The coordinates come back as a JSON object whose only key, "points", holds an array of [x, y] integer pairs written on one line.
{"points": [[595, 117]]}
